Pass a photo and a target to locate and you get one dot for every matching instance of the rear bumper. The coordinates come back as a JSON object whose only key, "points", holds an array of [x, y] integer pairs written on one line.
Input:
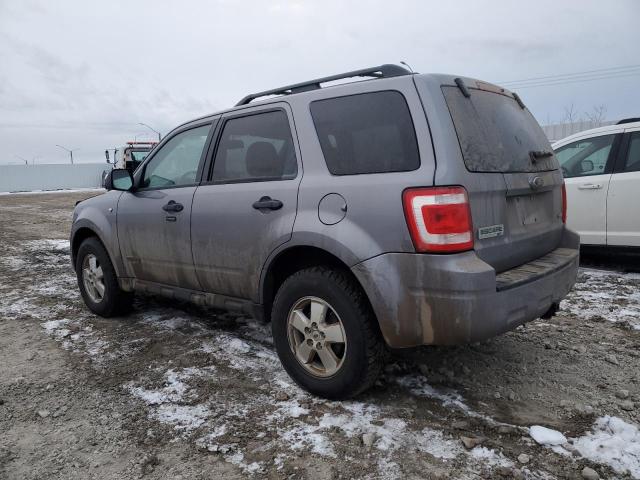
{"points": [[452, 299]]}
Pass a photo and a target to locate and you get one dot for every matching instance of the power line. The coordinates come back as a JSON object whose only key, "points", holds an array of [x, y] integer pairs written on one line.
{"points": [[576, 77], [578, 80], [567, 75]]}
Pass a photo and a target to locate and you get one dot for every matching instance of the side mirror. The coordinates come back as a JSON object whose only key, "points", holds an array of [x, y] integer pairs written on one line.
{"points": [[119, 179], [586, 166], [106, 154]]}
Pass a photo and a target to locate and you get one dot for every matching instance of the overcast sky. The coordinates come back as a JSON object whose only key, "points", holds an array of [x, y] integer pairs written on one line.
{"points": [[84, 73]]}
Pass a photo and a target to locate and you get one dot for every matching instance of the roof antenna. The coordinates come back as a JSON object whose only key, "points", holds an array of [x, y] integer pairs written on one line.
{"points": [[406, 65]]}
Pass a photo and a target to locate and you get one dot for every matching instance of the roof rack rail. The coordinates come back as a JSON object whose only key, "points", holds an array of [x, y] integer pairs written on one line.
{"points": [[628, 120], [381, 71]]}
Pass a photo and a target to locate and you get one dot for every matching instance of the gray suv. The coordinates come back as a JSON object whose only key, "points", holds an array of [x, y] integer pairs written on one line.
{"points": [[400, 210]]}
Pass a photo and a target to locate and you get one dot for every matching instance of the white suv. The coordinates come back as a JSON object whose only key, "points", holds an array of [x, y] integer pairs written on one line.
{"points": [[601, 168]]}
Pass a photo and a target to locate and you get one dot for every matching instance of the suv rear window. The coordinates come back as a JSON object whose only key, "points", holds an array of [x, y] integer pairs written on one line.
{"points": [[366, 133], [496, 134]]}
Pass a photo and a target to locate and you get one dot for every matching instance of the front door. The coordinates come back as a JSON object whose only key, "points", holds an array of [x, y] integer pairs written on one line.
{"points": [[248, 206], [623, 202], [154, 220], [586, 166]]}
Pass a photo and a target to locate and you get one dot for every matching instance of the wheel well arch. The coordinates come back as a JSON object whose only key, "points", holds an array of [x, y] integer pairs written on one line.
{"points": [[293, 260], [80, 236]]}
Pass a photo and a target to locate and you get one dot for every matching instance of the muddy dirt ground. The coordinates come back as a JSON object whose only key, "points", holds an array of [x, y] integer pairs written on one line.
{"points": [[177, 391]]}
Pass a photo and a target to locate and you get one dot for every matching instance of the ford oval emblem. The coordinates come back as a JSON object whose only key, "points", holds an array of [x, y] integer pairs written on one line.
{"points": [[536, 182]]}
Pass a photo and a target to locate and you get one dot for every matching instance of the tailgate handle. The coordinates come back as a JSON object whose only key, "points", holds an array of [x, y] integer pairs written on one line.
{"points": [[590, 186]]}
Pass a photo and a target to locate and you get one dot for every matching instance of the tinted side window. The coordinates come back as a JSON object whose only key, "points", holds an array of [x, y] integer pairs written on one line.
{"points": [[632, 163], [176, 163], [585, 157], [255, 148], [366, 133]]}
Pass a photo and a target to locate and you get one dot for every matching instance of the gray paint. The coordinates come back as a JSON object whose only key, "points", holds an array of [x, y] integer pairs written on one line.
{"points": [[98, 215], [156, 245], [417, 298], [332, 208]]}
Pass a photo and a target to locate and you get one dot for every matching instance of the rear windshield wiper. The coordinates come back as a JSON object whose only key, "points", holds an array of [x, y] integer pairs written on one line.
{"points": [[463, 88], [540, 153], [517, 98]]}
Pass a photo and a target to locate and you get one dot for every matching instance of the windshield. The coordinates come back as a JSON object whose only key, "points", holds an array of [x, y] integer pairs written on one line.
{"points": [[138, 155], [496, 134]]}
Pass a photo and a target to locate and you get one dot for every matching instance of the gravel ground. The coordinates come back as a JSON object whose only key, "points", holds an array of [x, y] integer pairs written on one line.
{"points": [[178, 391]]}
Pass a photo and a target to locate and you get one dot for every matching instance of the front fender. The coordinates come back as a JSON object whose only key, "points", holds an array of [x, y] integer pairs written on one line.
{"points": [[98, 214]]}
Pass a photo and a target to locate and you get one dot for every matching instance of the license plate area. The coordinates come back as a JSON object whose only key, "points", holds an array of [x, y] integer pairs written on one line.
{"points": [[532, 209]]}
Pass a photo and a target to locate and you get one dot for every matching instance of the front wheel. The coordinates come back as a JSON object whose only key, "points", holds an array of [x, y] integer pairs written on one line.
{"points": [[326, 334], [98, 282]]}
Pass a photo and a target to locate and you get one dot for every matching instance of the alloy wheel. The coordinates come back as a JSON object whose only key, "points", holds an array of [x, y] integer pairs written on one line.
{"points": [[316, 336]]}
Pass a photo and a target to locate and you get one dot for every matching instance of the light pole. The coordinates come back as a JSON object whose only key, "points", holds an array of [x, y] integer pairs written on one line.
{"points": [[22, 158], [68, 150], [152, 129]]}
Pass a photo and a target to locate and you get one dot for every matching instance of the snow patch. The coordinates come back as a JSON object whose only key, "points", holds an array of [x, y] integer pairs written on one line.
{"points": [[53, 325], [174, 388], [612, 296], [58, 245], [238, 460], [491, 457], [290, 408], [182, 417], [307, 436], [546, 436], [613, 442]]}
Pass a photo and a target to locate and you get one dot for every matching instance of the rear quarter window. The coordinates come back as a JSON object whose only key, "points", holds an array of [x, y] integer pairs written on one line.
{"points": [[366, 133]]}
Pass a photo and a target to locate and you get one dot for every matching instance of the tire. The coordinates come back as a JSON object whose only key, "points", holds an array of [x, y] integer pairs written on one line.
{"points": [[113, 301], [360, 358]]}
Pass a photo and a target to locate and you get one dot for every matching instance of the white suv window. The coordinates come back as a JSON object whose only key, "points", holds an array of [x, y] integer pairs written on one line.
{"points": [[585, 157], [632, 163]]}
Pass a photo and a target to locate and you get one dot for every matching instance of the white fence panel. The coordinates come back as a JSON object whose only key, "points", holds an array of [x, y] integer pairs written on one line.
{"points": [[559, 131], [25, 178]]}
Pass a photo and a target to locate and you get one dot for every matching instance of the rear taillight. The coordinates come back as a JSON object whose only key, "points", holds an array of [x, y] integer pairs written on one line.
{"points": [[564, 203], [439, 219]]}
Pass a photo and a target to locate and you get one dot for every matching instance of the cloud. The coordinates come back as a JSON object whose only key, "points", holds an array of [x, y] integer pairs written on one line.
{"points": [[95, 71]]}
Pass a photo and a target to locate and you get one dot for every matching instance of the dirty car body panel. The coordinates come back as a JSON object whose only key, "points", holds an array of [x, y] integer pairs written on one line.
{"points": [[477, 136]]}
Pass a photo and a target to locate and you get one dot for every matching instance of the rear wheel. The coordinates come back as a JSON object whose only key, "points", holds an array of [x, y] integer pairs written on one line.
{"points": [[325, 333], [98, 282]]}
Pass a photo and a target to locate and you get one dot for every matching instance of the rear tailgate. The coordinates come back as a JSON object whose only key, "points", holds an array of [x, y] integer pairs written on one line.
{"points": [[504, 160]]}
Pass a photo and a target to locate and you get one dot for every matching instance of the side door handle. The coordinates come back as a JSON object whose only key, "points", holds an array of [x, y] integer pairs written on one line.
{"points": [[172, 206], [590, 186], [267, 203]]}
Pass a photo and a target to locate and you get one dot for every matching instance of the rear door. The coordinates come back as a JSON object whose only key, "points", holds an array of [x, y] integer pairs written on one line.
{"points": [[586, 165], [508, 169], [623, 201], [248, 206]]}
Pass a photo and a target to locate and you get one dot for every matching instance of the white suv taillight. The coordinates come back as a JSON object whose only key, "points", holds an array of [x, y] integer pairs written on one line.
{"points": [[439, 219]]}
